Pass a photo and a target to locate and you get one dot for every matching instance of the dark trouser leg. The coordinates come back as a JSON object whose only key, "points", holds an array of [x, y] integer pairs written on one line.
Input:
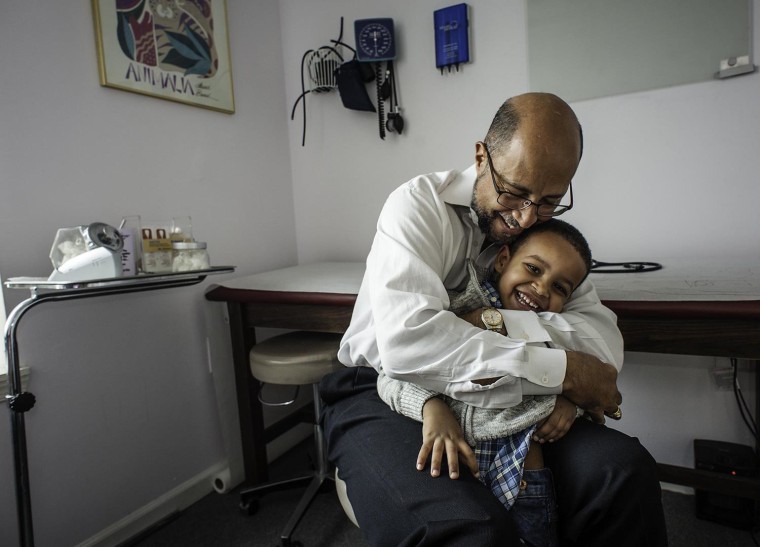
{"points": [[607, 489], [375, 451]]}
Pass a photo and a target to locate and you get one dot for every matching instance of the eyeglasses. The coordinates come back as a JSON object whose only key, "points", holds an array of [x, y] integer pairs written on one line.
{"points": [[514, 202]]}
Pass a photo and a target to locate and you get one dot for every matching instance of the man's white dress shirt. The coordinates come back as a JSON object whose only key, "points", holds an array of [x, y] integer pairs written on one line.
{"points": [[401, 323]]}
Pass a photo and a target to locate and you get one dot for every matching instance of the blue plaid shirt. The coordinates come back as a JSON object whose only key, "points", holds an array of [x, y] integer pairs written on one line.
{"points": [[501, 461]]}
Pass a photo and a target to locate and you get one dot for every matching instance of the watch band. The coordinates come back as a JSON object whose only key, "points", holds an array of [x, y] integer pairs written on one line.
{"points": [[492, 319]]}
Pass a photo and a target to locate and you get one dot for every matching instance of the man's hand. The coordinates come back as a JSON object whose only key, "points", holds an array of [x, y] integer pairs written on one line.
{"points": [[441, 433], [591, 384]]}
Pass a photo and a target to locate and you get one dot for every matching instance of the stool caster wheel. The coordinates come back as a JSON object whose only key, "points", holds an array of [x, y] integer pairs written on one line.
{"points": [[249, 507]]}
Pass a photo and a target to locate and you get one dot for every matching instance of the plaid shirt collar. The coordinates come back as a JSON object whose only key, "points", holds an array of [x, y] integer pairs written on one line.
{"points": [[492, 293]]}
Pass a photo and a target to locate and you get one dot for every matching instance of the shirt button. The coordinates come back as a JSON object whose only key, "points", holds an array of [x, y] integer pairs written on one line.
{"points": [[545, 380]]}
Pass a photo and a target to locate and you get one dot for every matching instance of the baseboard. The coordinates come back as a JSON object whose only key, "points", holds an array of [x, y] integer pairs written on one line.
{"points": [[175, 500], [678, 488]]}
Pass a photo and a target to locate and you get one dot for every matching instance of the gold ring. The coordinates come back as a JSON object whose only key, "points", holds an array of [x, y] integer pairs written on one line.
{"points": [[617, 414]]}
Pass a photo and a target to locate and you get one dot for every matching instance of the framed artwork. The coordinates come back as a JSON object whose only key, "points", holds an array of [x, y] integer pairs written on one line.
{"points": [[172, 49]]}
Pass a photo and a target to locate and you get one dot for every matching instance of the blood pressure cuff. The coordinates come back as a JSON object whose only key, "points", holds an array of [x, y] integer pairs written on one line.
{"points": [[351, 86]]}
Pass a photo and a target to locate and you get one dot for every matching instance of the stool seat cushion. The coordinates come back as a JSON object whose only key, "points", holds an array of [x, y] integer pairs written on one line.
{"points": [[295, 358]]}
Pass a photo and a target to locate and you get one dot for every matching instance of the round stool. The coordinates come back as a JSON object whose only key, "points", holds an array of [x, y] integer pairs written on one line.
{"points": [[295, 358]]}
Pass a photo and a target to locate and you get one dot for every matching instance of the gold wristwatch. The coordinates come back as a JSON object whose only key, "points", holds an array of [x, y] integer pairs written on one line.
{"points": [[492, 319]]}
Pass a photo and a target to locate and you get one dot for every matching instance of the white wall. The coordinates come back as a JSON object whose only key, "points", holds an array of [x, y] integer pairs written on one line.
{"points": [[126, 408], [345, 171], [661, 156]]}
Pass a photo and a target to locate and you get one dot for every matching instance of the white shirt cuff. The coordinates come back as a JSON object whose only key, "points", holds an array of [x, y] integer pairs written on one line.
{"points": [[524, 325], [545, 367]]}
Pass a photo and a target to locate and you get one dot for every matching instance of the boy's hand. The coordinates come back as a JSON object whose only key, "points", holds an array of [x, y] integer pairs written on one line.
{"points": [[558, 423], [473, 317], [441, 434]]}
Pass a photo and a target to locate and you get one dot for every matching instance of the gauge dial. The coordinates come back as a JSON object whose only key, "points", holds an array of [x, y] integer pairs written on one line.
{"points": [[375, 39]]}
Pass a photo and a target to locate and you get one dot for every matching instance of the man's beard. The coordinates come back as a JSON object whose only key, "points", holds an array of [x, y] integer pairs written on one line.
{"points": [[486, 219]]}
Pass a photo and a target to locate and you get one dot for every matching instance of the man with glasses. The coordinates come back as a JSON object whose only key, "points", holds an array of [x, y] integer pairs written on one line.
{"points": [[606, 483]]}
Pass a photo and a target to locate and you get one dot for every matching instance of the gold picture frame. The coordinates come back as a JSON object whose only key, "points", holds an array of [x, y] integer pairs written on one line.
{"points": [[176, 50]]}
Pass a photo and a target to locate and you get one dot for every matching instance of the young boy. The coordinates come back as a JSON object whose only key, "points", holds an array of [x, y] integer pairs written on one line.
{"points": [[537, 273]]}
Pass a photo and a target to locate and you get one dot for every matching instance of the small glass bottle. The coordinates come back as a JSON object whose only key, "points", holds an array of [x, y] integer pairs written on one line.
{"points": [[182, 229], [189, 256], [131, 253], [157, 247]]}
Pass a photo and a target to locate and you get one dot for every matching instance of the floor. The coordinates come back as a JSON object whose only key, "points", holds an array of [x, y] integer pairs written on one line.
{"points": [[216, 521]]}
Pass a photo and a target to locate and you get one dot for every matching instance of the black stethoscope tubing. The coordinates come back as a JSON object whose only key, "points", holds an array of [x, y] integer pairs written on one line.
{"points": [[624, 267]]}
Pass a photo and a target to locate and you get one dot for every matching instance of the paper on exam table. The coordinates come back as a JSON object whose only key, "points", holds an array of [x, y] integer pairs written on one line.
{"points": [[718, 279]]}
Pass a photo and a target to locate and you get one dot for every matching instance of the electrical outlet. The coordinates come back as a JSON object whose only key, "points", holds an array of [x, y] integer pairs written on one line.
{"points": [[734, 66], [732, 62], [723, 375]]}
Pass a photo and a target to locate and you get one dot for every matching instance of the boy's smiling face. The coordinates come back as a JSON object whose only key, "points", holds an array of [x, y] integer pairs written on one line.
{"points": [[541, 275]]}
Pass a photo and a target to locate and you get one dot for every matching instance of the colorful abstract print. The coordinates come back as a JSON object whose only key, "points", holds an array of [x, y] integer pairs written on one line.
{"points": [[172, 35]]}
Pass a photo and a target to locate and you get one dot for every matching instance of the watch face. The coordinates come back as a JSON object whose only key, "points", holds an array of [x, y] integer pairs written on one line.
{"points": [[492, 317], [374, 39]]}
